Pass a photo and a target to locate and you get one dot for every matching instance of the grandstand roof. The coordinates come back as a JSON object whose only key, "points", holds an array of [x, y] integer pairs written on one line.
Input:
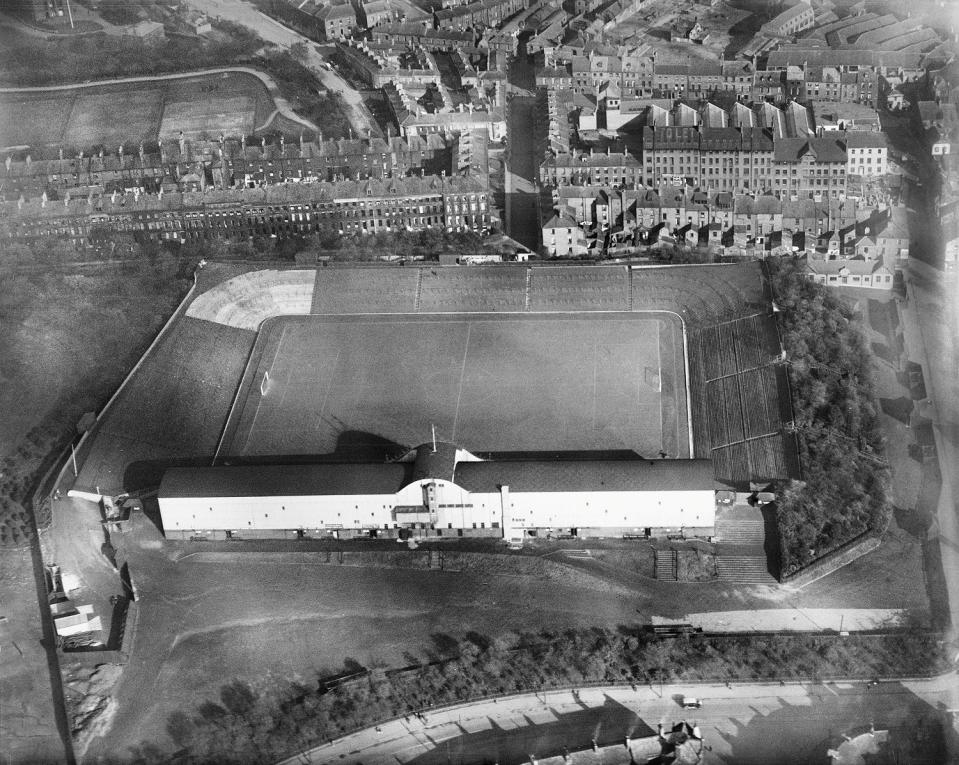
{"points": [[586, 475], [521, 475], [285, 480]]}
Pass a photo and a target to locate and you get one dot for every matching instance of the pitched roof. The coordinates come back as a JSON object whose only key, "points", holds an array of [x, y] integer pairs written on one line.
{"points": [[285, 480], [586, 475], [559, 221]]}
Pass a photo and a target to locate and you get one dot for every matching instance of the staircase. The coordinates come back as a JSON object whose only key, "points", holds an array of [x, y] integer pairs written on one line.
{"points": [[629, 288], [667, 565], [740, 527], [743, 568], [529, 285], [740, 552]]}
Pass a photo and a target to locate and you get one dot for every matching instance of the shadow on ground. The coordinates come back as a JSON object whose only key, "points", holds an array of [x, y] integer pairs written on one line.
{"points": [[608, 724]]}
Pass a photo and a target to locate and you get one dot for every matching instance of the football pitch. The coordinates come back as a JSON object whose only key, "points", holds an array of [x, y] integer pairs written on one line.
{"points": [[359, 386]]}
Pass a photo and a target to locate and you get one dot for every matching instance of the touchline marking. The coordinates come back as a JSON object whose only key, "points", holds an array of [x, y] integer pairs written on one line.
{"points": [[459, 394], [329, 386]]}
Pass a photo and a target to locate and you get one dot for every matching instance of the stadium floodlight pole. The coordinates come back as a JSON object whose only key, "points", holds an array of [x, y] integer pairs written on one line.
{"points": [[434, 437], [70, 14]]}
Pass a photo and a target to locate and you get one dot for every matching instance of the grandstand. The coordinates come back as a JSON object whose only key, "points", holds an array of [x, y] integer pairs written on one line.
{"points": [[740, 401], [583, 288], [365, 290]]}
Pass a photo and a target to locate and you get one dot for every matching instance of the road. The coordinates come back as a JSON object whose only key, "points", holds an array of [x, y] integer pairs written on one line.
{"points": [[745, 723], [522, 211], [931, 326], [273, 31]]}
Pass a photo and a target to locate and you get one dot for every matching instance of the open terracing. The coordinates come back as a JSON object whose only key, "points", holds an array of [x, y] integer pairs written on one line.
{"points": [[700, 294]]}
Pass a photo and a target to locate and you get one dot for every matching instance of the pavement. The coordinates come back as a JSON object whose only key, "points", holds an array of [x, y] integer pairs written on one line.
{"points": [[931, 328], [273, 31], [743, 723], [522, 194]]}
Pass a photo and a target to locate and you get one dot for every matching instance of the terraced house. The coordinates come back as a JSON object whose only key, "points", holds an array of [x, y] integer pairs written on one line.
{"points": [[458, 203], [188, 166]]}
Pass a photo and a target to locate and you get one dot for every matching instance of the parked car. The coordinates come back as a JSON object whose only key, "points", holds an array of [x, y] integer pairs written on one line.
{"points": [[691, 702]]}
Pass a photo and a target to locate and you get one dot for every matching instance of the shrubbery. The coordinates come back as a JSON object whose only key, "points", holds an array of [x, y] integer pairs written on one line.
{"points": [[845, 481], [247, 725]]}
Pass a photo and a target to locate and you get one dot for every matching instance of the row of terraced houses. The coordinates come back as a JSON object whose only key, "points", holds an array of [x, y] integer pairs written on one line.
{"points": [[456, 203]]}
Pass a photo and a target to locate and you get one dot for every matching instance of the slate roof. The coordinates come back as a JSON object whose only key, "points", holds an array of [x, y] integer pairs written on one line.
{"points": [[586, 475], [285, 480], [388, 478]]}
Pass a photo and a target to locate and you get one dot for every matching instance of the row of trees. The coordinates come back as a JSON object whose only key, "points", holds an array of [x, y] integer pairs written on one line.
{"points": [[844, 491], [266, 724]]}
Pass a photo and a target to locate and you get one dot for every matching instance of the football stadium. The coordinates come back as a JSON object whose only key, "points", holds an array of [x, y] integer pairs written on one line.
{"points": [[492, 401], [351, 419]]}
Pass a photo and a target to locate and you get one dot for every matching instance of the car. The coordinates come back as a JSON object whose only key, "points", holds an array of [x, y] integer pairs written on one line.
{"points": [[690, 702]]}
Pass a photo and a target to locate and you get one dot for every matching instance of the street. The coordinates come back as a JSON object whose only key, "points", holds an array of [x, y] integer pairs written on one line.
{"points": [[522, 167], [931, 326], [273, 31], [746, 723]]}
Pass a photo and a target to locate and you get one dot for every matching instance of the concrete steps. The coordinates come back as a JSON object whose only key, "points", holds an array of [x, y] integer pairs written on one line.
{"points": [[745, 569], [667, 565], [741, 530]]}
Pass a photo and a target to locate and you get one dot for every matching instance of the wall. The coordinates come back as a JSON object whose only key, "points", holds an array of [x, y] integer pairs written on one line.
{"points": [[456, 508]]}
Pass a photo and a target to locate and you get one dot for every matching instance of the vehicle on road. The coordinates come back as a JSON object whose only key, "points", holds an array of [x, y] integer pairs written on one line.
{"points": [[691, 702]]}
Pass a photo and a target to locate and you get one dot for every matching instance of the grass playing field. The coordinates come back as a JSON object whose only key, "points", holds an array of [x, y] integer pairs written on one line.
{"points": [[232, 103], [487, 382]]}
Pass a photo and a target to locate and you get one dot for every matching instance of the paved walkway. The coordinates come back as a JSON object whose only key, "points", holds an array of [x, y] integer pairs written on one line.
{"points": [[805, 713], [282, 105]]}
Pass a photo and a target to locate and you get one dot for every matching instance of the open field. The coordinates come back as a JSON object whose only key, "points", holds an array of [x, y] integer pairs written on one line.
{"points": [[486, 382], [295, 613], [232, 103], [173, 410], [67, 337]]}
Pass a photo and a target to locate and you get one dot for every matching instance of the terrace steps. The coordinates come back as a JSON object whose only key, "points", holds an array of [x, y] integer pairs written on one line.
{"points": [[741, 530], [529, 284], [666, 565], [418, 297], [743, 568]]}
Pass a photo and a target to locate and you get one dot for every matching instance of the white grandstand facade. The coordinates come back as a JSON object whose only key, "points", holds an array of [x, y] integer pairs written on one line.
{"points": [[439, 490]]}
